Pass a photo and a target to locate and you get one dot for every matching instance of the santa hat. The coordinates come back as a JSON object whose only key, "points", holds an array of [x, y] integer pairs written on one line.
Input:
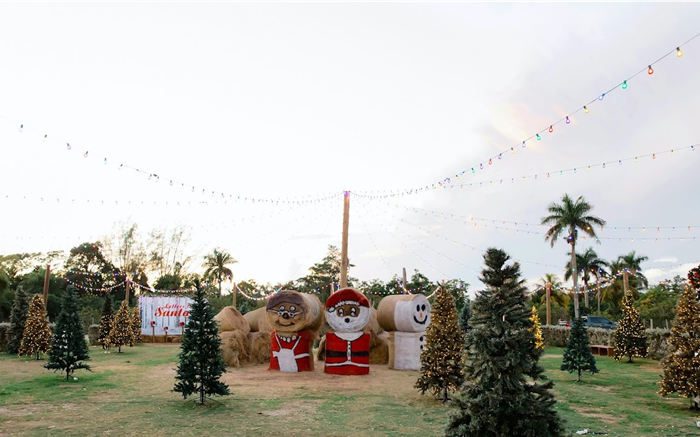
{"points": [[346, 296]]}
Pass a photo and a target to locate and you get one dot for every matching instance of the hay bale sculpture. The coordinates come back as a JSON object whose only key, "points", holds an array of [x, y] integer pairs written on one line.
{"points": [[347, 345], [295, 319], [378, 341], [259, 336], [406, 318]]}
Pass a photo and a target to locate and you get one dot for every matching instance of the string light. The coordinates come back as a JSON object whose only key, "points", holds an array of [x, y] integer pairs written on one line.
{"points": [[650, 71], [679, 52], [539, 137], [21, 128], [551, 128], [567, 120], [586, 110], [601, 97], [624, 85]]}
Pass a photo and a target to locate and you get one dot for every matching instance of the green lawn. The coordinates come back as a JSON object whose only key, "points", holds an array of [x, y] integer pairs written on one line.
{"points": [[129, 394]]}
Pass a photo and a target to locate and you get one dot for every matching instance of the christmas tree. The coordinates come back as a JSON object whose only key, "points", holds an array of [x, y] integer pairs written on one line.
{"points": [[106, 322], [465, 315], [501, 395], [629, 336], [682, 364], [201, 365], [36, 338], [441, 359], [536, 330], [694, 279], [120, 335], [68, 348], [577, 353], [18, 319], [136, 326]]}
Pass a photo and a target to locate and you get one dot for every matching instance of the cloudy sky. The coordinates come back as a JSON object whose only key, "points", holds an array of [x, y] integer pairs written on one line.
{"points": [[219, 104]]}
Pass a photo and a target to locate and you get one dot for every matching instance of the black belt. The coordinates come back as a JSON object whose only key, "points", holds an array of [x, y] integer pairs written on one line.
{"points": [[339, 354]]}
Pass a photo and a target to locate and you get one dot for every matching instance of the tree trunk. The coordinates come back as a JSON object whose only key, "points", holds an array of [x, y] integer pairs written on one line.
{"points": [[579, 376], [574, 273], [585, 292]]}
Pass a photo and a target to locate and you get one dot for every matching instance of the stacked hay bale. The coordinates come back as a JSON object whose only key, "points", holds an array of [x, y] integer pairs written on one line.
{"points": [[259, 336], [406, 318], [234, 331]]}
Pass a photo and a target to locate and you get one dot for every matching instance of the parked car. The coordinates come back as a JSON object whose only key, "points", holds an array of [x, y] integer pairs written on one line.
{"points": [[563, 322], [599, 322]]}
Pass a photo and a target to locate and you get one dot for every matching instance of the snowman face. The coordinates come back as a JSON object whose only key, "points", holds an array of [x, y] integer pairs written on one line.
{"points": [[412, 315], [347, 318]]}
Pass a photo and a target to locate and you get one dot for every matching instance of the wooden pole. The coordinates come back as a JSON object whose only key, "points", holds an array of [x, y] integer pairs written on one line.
{"points": [[344, 246], [126, 296], [651, 323], [47, 276], [233, 292], [548, 288], [626, 281], [404, 278]]}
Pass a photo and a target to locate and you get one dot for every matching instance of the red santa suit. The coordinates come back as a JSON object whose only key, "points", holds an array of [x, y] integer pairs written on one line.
{"points": [[291, 354], [347, 353]]}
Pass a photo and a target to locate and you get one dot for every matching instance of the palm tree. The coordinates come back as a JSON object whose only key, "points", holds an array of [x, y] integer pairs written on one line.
{"points": [[632, 263], [557, 296], [571, 216], [586, 263], [215, 265]]}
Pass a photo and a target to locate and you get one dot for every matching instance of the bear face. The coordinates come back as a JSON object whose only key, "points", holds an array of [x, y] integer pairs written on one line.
{"points": [[285, 315]]}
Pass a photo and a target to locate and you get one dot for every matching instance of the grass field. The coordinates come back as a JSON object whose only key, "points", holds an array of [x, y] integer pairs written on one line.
{"points": [[129, 394]]}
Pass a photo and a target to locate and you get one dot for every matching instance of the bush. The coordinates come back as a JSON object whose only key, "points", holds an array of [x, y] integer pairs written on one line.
{"points": [[657, 339], [93, 334], [4, 327]]}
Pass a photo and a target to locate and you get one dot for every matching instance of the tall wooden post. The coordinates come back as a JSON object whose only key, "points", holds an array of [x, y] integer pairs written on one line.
{"points": [[404, 278], [548, 288], [626, 281], [126, 295], [344, 246], [47, 277], [234, 291]]}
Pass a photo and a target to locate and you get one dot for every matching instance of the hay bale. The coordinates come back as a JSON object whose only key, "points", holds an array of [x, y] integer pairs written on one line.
{"points": [[258, 321], [321, 354], [258, 347], [230, 319], [234, 347], [373, 327], [404, 312], [379, 352], [307, 313]]}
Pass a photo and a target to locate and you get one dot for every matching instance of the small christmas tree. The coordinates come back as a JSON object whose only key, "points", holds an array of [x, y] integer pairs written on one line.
{"points": [[682, 364], [441, 359], [68, 348], [465, 315], [36, 338], [136, 326], [536, 330], [201, 365], [577, 353], [501, 395], [629, 336], [120, 335], [106, 322], [18, 319]]}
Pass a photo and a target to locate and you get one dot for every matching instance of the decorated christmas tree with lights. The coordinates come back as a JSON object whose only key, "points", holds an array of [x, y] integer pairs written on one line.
{"points": [[536, 330], [682, 363], [135, 323], [441, 359], [201, 365], [68, 349], [18, 320], [106, 322], [629, 338], [501, 395], [577, 353], [36, 338], [694, 279], [121, 334]]}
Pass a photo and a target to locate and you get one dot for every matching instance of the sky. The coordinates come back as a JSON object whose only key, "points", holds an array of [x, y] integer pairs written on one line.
{"points": [[220, 105]]}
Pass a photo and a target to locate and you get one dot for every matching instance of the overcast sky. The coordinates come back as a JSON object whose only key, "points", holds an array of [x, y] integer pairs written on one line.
{"points": [[302, 101]]}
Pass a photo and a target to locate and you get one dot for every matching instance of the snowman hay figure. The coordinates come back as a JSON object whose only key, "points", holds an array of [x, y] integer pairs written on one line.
{"points": [[347, 345], [405, 317], [295, 318]]}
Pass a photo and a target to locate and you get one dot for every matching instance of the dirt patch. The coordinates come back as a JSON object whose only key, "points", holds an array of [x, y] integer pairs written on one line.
{"points": [[19, 410], [604, 388], [597, 413], [303, 407]]}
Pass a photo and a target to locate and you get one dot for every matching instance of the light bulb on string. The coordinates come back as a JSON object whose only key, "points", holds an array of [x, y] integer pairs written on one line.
{"points": [[601, 97], [538, 137], [586, 110], [68, 146], [481, 166], [653, 156], [21, 127], [473, 171], [692, 148], [672, 153], [635, 159], [105, 161], [679, 52], [512, 150], [603, 165], [619, 161], [624, 85], [500, 155], [490, 162], [46, 137], [650, 71], [567, 120], [551, 128], [523, 144], [85, 155]]}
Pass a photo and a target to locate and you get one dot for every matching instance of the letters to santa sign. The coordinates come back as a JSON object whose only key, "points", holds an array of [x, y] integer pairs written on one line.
{"points": [[164, 311]]}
